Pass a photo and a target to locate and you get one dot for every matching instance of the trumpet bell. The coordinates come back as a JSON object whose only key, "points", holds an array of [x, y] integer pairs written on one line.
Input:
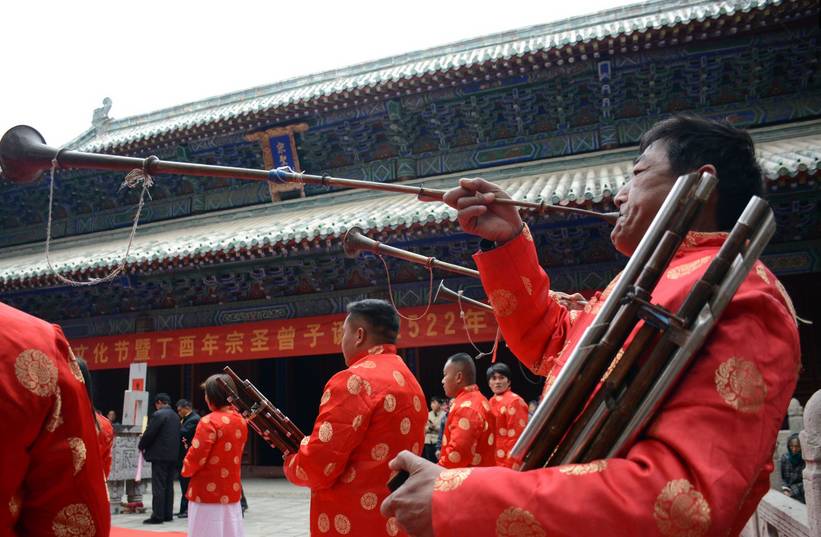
{"points": [[24, 154], [351, 243]]}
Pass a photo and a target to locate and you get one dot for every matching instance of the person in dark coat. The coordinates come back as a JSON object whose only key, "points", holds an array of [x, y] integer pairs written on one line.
{"points": [[188, 425], [160, 444]]}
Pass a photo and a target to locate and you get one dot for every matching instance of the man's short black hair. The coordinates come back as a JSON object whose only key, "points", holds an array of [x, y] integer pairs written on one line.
{"points": [[465, 363], [162, 397], [184, 403], [500, 368], [693, 141], [380, 316]]}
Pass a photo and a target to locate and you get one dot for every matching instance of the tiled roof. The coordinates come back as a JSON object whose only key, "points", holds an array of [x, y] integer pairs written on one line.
{"points": [[283, 227], [624, 21]]}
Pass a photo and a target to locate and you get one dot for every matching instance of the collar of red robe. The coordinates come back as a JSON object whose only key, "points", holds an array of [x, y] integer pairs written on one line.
{"points": [[376, 350], [467, 389], [701, 239]]}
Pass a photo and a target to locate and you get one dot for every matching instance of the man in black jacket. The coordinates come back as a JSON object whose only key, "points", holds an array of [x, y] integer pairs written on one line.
{"points": [[160, 445], [188, 425]]}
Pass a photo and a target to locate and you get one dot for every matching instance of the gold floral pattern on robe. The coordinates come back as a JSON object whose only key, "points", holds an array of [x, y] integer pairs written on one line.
{"points": [[681, 510], [518, 522], [14, 507], [741, 385], [762, 272], [451, 479], [323, 522], [342, 524], [392, 527], [36, 372], [78, 453], [687, 268], [503, 301], [368, 501], [582, 469], [74, 521], [528, 285], [56, 412], [326, 432]]}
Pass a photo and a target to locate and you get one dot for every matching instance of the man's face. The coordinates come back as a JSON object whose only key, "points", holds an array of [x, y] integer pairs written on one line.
{"points": [[498, 383], [182, 411], [112, 415], [794, 446], [352, 337], [451, 379], [640, 199]]}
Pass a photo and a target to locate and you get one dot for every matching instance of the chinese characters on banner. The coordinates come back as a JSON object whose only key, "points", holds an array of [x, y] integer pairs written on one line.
{"points": [[441, 325]]}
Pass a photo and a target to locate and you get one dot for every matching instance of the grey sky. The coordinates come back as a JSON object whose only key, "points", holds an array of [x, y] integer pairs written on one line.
{"points": [[60, 59]]}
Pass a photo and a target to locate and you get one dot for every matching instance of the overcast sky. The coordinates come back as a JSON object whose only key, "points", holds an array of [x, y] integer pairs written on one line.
{"points": [[60, 59]]}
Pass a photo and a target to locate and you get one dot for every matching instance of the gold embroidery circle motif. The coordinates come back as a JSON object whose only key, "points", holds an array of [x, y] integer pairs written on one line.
{"points": [[74, 521], [503, 301], [741, 385], [342, 524], [681, 511], [450, 479], [518, 522], [36, 372]]}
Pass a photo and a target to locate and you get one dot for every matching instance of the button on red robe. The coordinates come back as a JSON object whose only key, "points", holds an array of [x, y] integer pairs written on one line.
{"points": [[510, 412], [367, 415], [468, 439], [51, 474], [703, 464], [213, 461]]}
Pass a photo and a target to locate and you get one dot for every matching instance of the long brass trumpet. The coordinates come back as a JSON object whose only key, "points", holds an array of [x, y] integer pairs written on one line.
{"points": [[355, 242], [24, 156]]}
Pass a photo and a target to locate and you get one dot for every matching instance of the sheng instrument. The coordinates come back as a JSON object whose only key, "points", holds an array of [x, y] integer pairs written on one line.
{"points": [[267, 420], [24, 156]]}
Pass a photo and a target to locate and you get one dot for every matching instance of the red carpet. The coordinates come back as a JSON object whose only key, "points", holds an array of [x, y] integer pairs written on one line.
{"points": [[125, 532]]}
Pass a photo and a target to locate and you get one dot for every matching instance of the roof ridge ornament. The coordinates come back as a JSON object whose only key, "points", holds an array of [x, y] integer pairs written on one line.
{"points": [[100, 120]]}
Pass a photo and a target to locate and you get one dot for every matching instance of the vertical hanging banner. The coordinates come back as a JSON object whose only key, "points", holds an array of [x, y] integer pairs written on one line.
{"points": [[442, 324], [279, 149]]}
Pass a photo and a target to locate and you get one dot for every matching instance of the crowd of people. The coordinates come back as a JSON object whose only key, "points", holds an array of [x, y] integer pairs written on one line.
{"points": [[373, 422]]}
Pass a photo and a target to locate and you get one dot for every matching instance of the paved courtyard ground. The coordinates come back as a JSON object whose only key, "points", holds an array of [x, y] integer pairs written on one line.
{"points": [[275, 507]]}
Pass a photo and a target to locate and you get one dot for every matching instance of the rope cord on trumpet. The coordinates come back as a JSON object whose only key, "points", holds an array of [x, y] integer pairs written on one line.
{"points": [[429, 264], [482, 354], [277, 175], [131, 180]]}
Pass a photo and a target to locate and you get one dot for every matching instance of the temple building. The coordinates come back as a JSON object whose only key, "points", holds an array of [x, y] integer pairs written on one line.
{"points": [[252, 274]]}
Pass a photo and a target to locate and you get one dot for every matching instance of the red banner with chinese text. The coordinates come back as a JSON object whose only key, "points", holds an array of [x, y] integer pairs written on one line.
{"points": [[304, 336]]}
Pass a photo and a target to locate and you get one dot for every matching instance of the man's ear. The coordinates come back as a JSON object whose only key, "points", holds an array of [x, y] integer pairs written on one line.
{"points": [[360, 335]]}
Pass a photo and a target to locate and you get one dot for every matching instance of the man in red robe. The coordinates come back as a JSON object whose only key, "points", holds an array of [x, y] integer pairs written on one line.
{"points": [[682, 477], [468, 436], [51, 474], [368, 413], [509, 411]]}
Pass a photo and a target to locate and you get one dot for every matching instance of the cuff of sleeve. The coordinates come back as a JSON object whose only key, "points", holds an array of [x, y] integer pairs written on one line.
{"points": [[495, 264]]}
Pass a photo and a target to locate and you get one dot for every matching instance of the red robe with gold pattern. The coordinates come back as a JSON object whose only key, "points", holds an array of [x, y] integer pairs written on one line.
{"points": [[105, 442], [51, 475], [368, 414], [704, 462], [213, 461], [468, 438], [510, 412]]}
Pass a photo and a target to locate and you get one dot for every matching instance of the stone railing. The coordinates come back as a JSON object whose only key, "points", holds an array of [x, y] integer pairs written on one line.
{"points": [[779, 515]]}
